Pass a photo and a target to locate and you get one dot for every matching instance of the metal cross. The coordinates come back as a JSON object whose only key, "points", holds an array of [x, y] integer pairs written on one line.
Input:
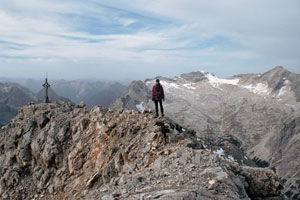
{"points": [[46, 85]]}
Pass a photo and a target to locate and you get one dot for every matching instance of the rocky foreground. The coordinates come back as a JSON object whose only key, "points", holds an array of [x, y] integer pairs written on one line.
{"points": [[62, 151]]}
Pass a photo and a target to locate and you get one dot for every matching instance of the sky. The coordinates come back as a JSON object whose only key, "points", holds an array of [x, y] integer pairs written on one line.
{"points": [[138, 39]]}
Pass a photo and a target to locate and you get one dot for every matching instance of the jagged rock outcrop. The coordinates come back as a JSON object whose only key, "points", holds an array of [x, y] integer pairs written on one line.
{"points": [[59, 150], [136, 93]]}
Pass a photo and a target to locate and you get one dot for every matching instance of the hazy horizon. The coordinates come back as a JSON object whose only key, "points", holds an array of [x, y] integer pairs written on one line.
{"points": [[121, 80], [138, 39]]}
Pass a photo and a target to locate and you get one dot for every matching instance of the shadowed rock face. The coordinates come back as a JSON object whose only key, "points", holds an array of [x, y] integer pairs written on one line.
{"points": [[15, 95], [61, 151], [7, 113], [136, 92], [252, 108], [12, 96], [285, 156]]}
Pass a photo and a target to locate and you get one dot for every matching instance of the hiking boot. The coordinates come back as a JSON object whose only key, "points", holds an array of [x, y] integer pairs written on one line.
{"points": [[162, 115]]}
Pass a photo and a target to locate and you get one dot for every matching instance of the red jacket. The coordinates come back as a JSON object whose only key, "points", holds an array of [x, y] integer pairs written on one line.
{"points": [[158, 94]]}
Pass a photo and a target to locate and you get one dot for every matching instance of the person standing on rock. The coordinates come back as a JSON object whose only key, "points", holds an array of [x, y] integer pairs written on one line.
{"points": [[157, 96]]}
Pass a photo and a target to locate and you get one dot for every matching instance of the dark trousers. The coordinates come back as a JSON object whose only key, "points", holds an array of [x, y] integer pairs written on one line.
{"points": [[161, 106]]}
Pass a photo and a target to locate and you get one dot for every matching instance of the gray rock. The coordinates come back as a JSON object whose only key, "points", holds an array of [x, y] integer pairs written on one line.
{"points": [[116, 155], [136, 92], [263, 183]]}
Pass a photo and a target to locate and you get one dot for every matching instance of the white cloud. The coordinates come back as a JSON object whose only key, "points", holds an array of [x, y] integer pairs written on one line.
{"points": [[235, 34]]}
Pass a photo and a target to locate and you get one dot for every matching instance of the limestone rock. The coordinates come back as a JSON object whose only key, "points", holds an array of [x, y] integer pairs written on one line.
{"points": [[117, 154]]}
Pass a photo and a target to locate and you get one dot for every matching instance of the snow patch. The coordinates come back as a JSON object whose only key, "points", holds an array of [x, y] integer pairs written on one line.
{"points": [[168, 85], [282, 91], [216, 82], [140, 107], [286, 82], [230, 158], [189, 86], [205, 147], [171, 86], [150, 83], [219, 152], [260, 88]]}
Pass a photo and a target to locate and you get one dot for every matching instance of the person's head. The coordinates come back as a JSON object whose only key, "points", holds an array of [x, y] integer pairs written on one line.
{"points": [[157, 82]]}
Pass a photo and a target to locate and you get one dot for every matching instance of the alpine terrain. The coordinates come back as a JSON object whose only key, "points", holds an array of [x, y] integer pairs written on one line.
{"points": [[260, 113], [235, 138]]}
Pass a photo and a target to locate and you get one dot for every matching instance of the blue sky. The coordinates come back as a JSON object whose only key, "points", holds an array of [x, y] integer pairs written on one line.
{"points": [[138, 39]]}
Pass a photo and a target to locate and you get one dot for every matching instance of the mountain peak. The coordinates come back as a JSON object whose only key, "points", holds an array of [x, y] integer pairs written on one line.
{"points": [[278, 69], [70, 152], [194, 76], [137, 91]]}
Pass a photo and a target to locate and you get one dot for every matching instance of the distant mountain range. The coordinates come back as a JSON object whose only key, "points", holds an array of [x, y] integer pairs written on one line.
{"points": [[260, 112], [15, 95], [91, 92]]}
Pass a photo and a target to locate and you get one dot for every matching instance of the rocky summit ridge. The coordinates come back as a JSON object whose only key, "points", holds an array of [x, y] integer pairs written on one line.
{"points": [[63, 151]]}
